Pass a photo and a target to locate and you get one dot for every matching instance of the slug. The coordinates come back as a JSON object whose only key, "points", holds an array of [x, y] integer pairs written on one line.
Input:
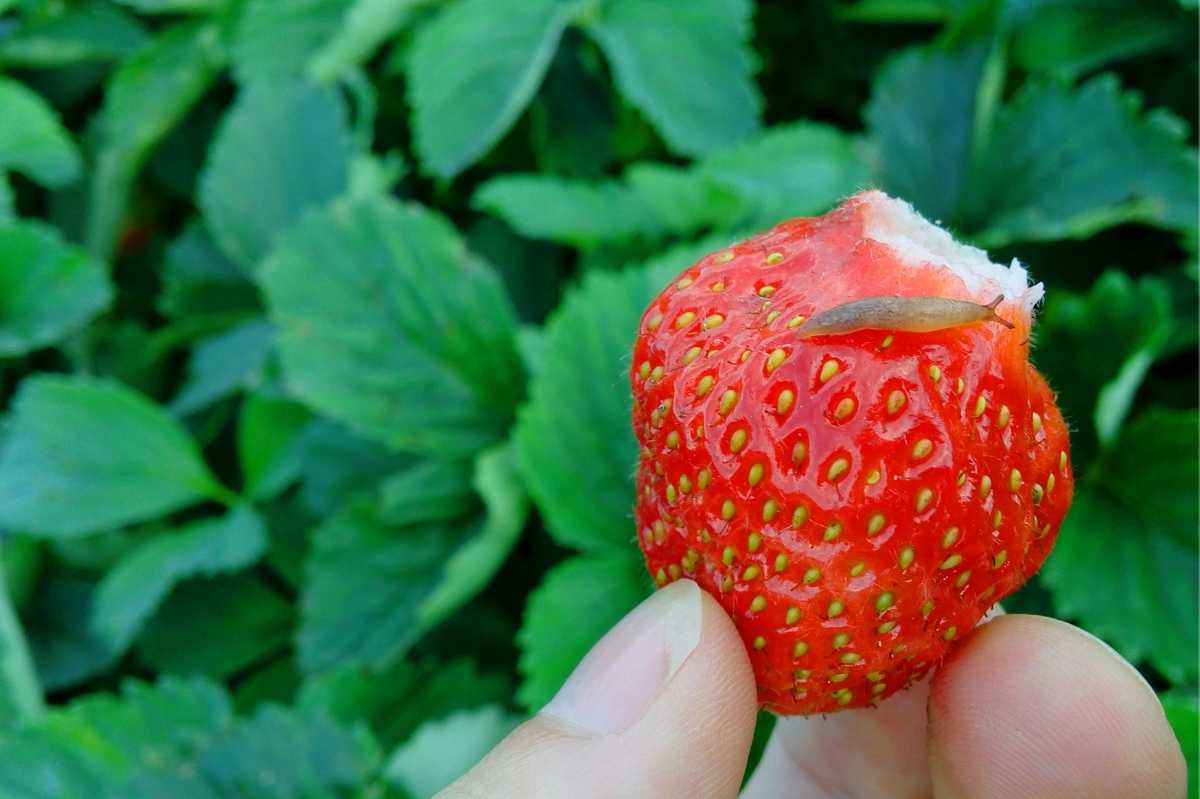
{"points": [[914, 314]]}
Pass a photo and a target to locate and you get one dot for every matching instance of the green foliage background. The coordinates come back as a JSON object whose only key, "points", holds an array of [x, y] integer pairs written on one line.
{"points": [[315, 473]]}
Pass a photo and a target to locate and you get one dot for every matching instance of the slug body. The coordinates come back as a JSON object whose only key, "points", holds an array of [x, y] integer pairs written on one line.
{"points": [[914, 314]]}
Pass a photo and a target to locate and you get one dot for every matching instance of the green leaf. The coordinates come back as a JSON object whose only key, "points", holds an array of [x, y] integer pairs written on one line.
{"points": [[533, 272], [336, 465], [443, 750], [281, 149], [1122, 325], [573, 120], [66, 651], [48, 288], [365, 26], [577, 603], [407, 578], [925, 137], [240, 620], [86, 455], [145, 98], [199, 280], [134, 588], [224, 363], [20, 692], [1183, 712], [432, 490], [472, 71], [91, 31], [576, 212], [385, 317], [1057, 166], [8, 199], [276, 40], [902, 11], [1128, 539], [686, 67], [579, 401], [174, 6], [270, 444], [684, 201], [32, 140], [395, 702]]}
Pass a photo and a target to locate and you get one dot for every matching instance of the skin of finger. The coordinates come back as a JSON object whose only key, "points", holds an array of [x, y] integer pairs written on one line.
{"points": [[1035, 707], [692, 741], [855, 754]]}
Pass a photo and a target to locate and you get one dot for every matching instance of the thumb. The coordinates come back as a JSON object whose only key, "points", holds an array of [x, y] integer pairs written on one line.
{"points": [[663, 705]]}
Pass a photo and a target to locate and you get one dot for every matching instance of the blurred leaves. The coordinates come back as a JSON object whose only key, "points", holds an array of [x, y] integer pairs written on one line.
{"points": [[32, 140]]}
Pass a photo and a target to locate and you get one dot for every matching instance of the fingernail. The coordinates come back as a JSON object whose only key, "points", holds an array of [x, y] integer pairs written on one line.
{"points": [[629, 667]]}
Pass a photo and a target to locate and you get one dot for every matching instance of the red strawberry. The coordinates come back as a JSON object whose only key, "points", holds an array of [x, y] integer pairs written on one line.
{"points": [[855, 500]]}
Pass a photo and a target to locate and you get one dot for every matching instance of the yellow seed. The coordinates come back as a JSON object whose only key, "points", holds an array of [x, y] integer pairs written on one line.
{"points": [[886, 627], [756, 474], [684, 319], [962, 478], [878, 688], [887, 342], [654, 321], [703, 479], [784, 402], [850, 657], [950, 632], [685, 484], [1037, 422], [980, 406], [671, 496], [927, 608], [985, 486], [728, 556], [712, 321], [660, 577], [753, 542], [857, 569], [751, 573], [705, 385], [687, 281], [874, 676], [924, 498], [673, 570], [728, 401], [776, 357], [885, 601], [1036, 493], [781, 563], [835, 608], [723, 257], [999, 558], [959, 386], [673, 439], [873, 477], [759, 642], [774, 258], [991, 589], [840, 640], [876, 523], [799, 515], [728, 509], [1049, 482], [949, 538], [660, 532], [812, 575], [844, 696], [895, 402], [726, 584], [833, 531], [906, 557], [691, 355], [1002, 417], [1015, 480], [844, 408], [766, 291], [793, 615], [738, 440], [828, 370], [656, 374], [718, 286], [997, 518], [951, 561], [1062, 461], [935, 372], [758, 603], [744, 356], [770, 509], [800, 649], [921, 449], [644, 369], [963, 579], [799, 451], [838, 469], [795, 322]]}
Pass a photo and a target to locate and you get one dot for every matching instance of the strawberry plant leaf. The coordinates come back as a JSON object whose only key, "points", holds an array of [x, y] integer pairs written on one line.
{"points": [[77, 33], [473, 69], [134, 588], [366, 25], [145, 98], [85, 455], [409, 578], [443, 750], [573, 120], [1132, 529], [65, 649], [1056, 166], [198, 279], [173, 6], [270, 443], [336, 465], [687, 68], [32, 140], [240, 619], [223, 363], [576, 604], [579, 401], [48, 288], [283, 147], [1183, 712], [277, 40], [433, 490], [383, 315], [582, 213], [20, 691]]}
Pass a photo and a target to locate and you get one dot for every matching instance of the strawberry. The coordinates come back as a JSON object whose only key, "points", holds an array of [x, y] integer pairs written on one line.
{"points": [[856, 470]]}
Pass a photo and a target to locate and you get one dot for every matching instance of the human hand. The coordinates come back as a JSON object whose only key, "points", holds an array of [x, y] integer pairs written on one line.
{"points": [[664, 706]]}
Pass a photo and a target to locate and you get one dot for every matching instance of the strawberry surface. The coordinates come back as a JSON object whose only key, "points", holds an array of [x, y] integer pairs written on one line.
{"points": [[856, 502]]}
